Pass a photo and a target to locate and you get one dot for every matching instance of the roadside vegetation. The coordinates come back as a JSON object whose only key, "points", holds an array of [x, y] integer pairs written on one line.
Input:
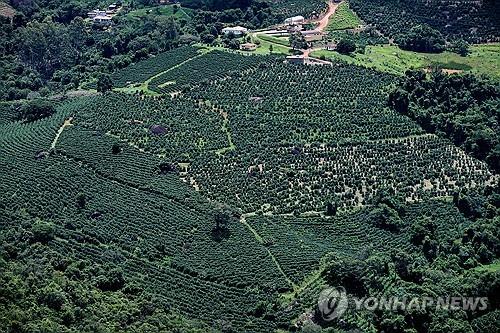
{"points": [[344, 18]]}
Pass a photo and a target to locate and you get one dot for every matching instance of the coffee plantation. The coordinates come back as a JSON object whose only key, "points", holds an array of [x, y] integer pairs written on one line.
{"points": [[215, 191]]}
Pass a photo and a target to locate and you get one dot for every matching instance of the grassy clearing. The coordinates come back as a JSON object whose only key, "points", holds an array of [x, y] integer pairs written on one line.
{"points": [[275, 40], [483, 59], [494, 267], [344, 18], [168, 10], [262, 46], [265, 42]]}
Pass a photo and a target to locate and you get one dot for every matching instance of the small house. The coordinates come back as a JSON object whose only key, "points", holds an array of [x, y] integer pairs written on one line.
{"points": [[248, 47], [296, 59], [96, 12], [102, 20], [237, 31]]}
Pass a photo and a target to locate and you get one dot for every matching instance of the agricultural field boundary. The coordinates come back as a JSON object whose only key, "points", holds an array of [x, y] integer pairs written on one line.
{"points": [[144, 86], [260, 240]]}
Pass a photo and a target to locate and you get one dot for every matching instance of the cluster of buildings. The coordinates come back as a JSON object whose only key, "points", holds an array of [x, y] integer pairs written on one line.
{"points": [[240, 32], [236, 31], [104, 17], [291, 25]]}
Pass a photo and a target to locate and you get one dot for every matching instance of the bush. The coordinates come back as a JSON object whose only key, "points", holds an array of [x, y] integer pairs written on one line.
{"points": [[422, 38], [37, 109], [346, 46], [43, 232]]}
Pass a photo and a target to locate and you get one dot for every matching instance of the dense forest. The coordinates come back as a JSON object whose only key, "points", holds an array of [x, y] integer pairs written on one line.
{"points": [[464, 109]]}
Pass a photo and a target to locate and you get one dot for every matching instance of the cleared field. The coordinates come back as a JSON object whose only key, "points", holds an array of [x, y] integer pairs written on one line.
{"points": [[265, 42], [344, 18], [483, 59], [283, 41]]}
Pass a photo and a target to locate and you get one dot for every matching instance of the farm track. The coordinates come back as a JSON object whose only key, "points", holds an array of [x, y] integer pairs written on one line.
{"points": [[144, 86], [260, 240], [66, 123], [323, 22]]}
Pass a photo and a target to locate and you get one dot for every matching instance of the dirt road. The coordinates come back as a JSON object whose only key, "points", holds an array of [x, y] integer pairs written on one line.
{"points": [[323, 22]]}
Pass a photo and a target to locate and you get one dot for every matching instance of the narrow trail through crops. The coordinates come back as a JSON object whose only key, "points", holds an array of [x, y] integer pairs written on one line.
{"points": [[66, 123], [261, 241]]}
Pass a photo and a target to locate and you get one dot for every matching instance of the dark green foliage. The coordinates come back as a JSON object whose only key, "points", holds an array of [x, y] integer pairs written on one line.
{"points": [[461, 47], [217, 5], [81, 200], [116, 149], [199, 70], [422, 228], [331, 208], [104, 83], [288, 8], [462, 108], [297, 41], [110, 280], [45, 46], [36, 109], [467, 19], [387, 218], [369, 36], [346, 46], [223, 219], [43, 231], [349, 273], [422, 38], [143, 70], [166, 168]]}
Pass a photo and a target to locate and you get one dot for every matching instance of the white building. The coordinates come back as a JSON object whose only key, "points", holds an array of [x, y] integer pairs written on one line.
{"points": [[102, 20], [295, 20], [96, 12], [237, 31]]}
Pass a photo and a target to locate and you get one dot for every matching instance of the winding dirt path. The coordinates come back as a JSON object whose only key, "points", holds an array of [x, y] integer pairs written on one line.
{"points": [[322, 25]]}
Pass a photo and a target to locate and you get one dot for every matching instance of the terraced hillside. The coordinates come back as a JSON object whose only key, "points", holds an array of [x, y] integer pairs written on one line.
{"points": [[237, 193]]}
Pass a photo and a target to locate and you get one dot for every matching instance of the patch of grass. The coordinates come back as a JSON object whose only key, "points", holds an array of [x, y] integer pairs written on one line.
{"points": [[452, 65], [494, 267], [266, 41], [168, 10], [344, 18], [483, 59], [275, 40]]}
